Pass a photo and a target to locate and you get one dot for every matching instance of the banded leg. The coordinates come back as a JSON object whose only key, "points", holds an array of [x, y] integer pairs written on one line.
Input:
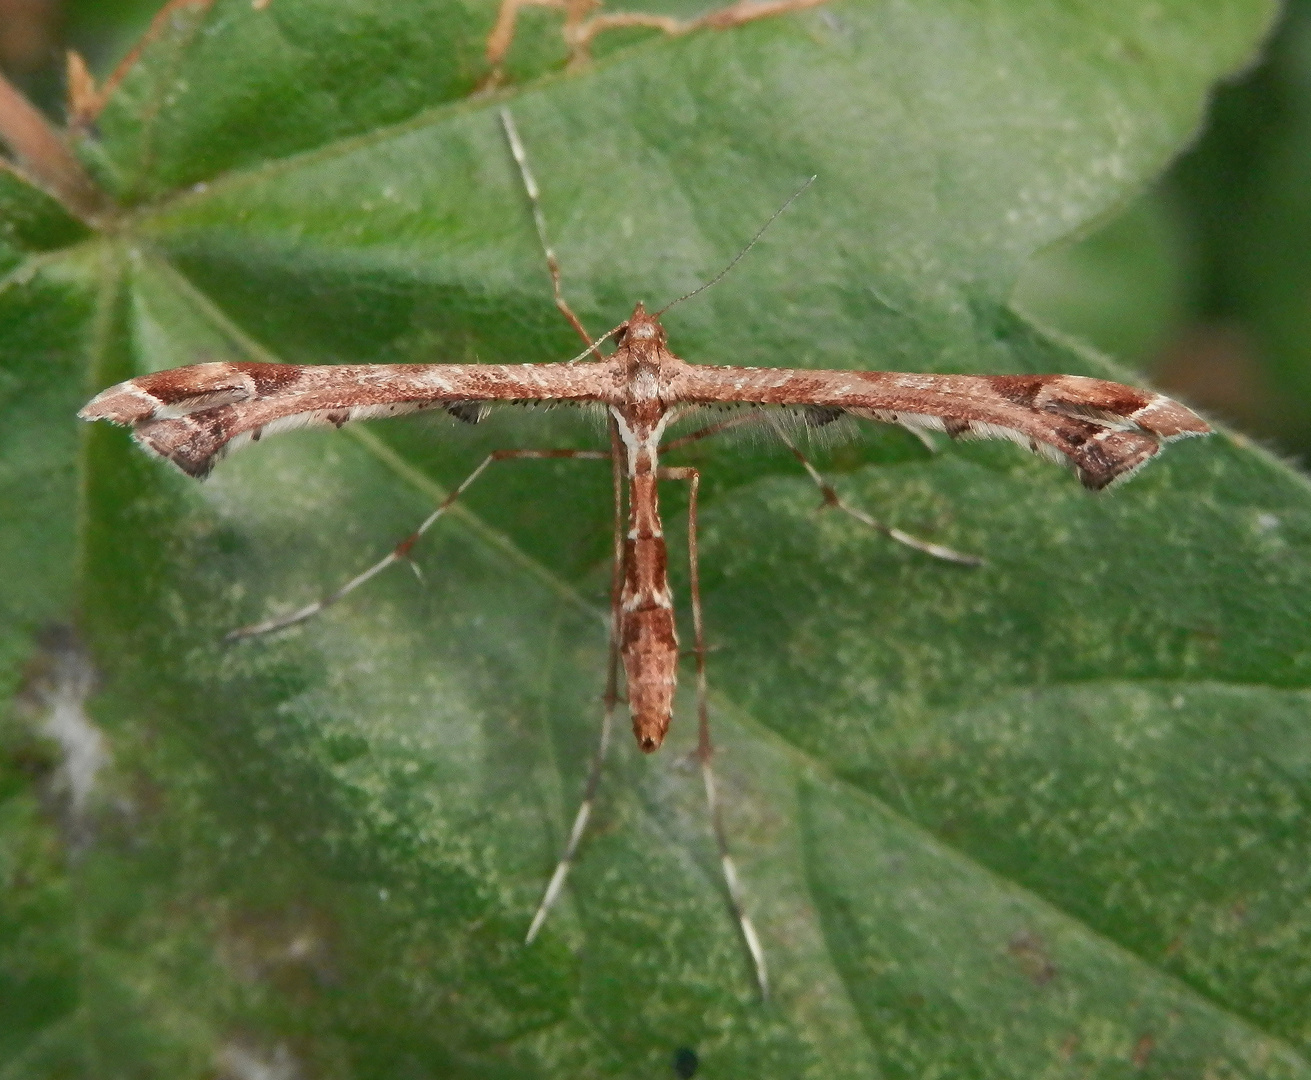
{"points": [[576, 10], [556, 885], [402, 550], [706, 432], [562, 868], [520, 156], [705, 750], [831, 498]]}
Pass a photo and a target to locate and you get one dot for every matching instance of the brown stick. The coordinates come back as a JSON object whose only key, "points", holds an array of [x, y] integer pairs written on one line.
{"points": [[46, 158], [579, 30], [746, 11], [90, 109]]}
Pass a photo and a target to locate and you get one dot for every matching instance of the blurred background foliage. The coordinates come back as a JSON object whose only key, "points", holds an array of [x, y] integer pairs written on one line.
{"points": [[1203, 282]]}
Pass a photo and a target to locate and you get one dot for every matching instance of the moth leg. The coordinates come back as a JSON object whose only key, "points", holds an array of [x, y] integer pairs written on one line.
{"points": [[831, 498], [575, 10], [402, 550], [562, 868], [709, 430], [539, 221], [705, 748], [556, 885]]}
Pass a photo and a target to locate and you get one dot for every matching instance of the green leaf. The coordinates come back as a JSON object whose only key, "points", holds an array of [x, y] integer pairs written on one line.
{"points": [[1123, 289], [1043, 818], [45, 317], [31, 220]]}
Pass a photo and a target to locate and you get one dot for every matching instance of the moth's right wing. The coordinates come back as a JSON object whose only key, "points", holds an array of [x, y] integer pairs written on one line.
{"points": [[1104, 430], [195, 415]]}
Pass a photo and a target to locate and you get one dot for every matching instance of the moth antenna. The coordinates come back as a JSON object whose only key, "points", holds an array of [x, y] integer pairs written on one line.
{"points": [[741, 254], [591, 349]]}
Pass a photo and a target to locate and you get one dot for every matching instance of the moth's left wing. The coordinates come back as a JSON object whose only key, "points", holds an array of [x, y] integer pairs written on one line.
{"points": [[194, 415]]}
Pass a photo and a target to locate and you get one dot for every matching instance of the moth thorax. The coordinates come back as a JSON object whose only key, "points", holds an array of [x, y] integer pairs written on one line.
{"points": [[644, 381]]}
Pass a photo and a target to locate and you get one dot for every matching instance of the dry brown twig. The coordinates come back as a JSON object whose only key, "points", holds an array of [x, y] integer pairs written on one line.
{"points": [[42, 153], [581, 25], [44, 158], [85, 101]]}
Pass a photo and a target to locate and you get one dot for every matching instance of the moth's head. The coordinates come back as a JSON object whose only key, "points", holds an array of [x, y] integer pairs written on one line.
{"points": [[641, 330]]}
